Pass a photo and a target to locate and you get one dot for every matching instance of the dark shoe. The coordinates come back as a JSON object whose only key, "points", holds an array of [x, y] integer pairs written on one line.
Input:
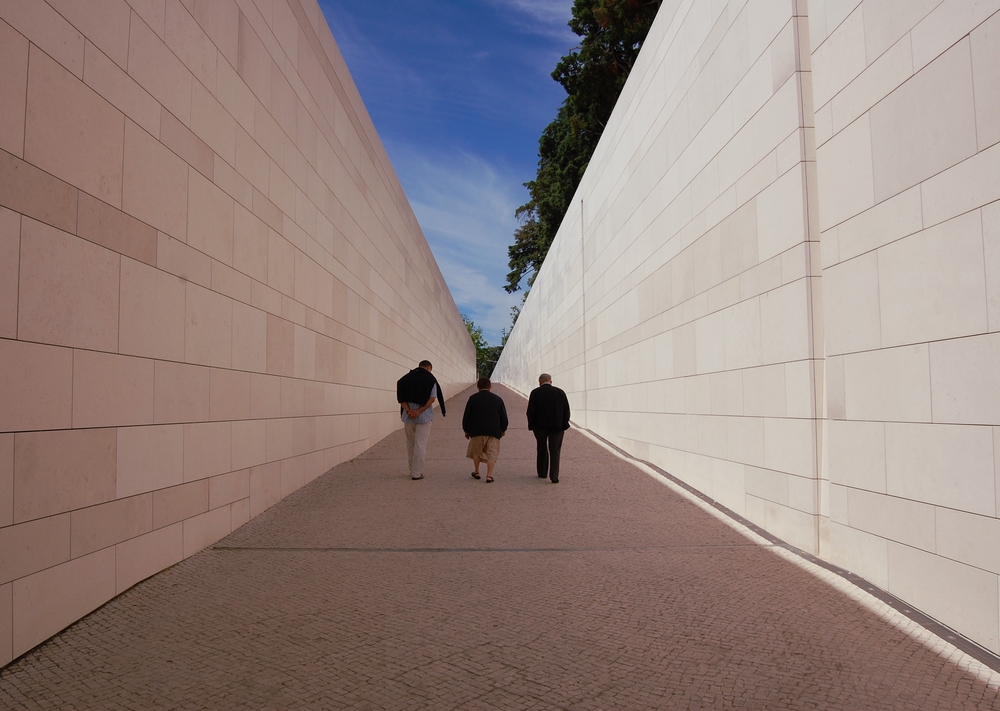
{"points": [[489, 479], [415, 478], [555, 481], [475, 475], [543, 476]]}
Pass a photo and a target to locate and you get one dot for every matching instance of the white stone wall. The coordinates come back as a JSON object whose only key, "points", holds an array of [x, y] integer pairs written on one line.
{"points": [[907, 98], [210, 280], [697, 349], [845, 397]]}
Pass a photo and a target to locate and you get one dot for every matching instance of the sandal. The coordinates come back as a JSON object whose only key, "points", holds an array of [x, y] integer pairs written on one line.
{"points": [[475, 475], [489, 479]]}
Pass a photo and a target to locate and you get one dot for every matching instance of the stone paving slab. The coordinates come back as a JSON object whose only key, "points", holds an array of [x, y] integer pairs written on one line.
{"points": [[366, 590]]}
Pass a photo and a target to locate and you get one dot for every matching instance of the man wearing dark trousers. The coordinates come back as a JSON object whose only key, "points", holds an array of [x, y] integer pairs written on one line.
{"points": [[548, 419]]}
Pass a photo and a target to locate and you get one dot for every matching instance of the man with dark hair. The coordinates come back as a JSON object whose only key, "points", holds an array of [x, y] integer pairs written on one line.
{"points": [[548, 419], [484, 423], [416, 392]]}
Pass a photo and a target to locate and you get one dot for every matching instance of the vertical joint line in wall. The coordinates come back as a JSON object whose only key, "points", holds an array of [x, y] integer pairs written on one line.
{"points": [[583, 302], [807, 121]]}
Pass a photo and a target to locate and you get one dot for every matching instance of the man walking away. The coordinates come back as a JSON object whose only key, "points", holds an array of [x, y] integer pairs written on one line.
{"points": [[416, 392], [484, 423], [548, 419]]}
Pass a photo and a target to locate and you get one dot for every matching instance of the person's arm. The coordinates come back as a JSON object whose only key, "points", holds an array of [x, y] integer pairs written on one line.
{"points": [[427, 405], [466, 419], [503, 419], [531, 409]]}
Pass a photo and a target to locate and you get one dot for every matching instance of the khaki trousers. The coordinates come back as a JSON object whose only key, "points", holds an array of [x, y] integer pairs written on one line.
{"points": [[416, 446]]}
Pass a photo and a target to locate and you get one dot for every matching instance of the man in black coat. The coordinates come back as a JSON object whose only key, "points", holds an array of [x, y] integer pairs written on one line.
{"points": [[416, 393], [548, 419], [484, 423]]}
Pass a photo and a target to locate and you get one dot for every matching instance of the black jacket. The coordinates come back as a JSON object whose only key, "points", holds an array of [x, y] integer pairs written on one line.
{"points": [[416, 386], [548, 408], [485, 414]]}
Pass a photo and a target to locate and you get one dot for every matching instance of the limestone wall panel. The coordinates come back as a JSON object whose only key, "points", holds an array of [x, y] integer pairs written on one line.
{"points": [[210, 280], [791, 227]]}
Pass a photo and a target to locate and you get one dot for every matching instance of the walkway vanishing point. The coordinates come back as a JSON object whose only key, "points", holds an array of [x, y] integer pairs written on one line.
{"points": [[610, 590]]}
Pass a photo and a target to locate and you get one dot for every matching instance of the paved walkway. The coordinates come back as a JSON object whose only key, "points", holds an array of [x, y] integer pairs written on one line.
{"points": [[366, 590]]}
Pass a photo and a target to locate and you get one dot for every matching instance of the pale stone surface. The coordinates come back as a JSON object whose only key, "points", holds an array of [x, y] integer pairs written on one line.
{"points": [[6, 623], [965, 380], [6, 479], [181, 392], [931, 285], [851, 290], [103, 224], [946, 465], [13, 89], [149, 458], [891, 384], [142, 556], [166, 236], [111, 81], [960, 596], [856, 452], [82, 147], [166, 273], [968, 538], [985, 41], [62, 470], [103, 22], [895, 519], [37, 381], [207, 449], [844, 165], [10, 249], [33, 546], [151, 315], [883, 149], [991, 252], [933, 110], [47, 601], [154, 183], [111, 390], [887, 21], [179, 503], [98, 527], [67, 289]]}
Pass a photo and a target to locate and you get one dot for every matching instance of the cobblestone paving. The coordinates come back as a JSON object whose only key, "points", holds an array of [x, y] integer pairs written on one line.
{"points": [[366, 590]]}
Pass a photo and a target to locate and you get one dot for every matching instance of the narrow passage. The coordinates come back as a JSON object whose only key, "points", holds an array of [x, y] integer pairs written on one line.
{"points": [[366, 590]]}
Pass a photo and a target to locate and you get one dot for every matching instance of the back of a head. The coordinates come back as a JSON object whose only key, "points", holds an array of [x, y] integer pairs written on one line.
{"points": [[544, 378], [483, 384], [426, 364]]}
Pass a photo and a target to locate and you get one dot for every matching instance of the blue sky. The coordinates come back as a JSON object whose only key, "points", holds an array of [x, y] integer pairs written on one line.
{"points": [[459, 91]]}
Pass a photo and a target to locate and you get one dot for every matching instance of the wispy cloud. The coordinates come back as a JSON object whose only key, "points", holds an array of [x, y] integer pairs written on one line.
{"points": [[465, 206], [548, 17]]}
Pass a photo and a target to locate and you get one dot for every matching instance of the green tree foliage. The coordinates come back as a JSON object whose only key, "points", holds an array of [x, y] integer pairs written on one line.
{"points": [[486, 355], [593, 75]]}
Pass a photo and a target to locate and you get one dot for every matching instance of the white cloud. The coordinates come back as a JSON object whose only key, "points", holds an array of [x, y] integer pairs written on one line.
{"points": [[545, 17], [465, 206]]}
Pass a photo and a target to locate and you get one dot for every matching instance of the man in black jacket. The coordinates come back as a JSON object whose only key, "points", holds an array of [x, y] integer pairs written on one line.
{"points": [[548, 419], [416, 392], [484, 423]]}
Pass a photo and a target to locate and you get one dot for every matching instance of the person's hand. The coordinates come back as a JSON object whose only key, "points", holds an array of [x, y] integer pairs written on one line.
{"points": [[467, 436], [503, 433], [412, 414]]}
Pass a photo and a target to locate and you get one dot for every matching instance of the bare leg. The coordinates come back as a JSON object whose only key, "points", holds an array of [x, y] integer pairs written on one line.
{"points": [[475, 462]]}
